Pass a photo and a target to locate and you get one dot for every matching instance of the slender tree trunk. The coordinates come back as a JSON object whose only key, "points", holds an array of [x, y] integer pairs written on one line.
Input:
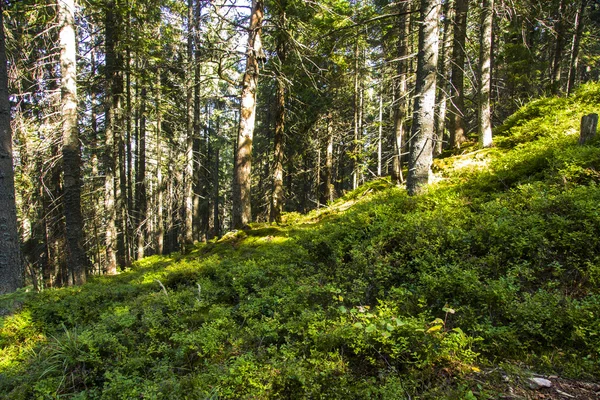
{"points": [[442, 84], [77, 261], [109, 151], [401, 109], [329, 189], [198, 159], [188, 234], [420, 157], [277, 195], [11, 271], [243, 164], [216, 219], [380, 135], [356, 109], [485, 73], [457, 105], [160, 230], [575, 46], [558, 47], [140, 177], [129, 224]]}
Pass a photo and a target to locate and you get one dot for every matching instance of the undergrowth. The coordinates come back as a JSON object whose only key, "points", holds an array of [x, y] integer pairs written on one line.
{"points": [[379, 295]]}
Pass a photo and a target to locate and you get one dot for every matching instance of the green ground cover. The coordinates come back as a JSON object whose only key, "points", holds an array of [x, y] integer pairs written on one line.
{"points": [[494, 271]]}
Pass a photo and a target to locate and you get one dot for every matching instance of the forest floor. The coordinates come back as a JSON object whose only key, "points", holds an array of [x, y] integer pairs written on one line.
{"points": [[468, 291]]}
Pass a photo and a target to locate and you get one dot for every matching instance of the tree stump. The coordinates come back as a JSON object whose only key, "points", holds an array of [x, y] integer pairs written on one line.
{"points": [[589, 124]]}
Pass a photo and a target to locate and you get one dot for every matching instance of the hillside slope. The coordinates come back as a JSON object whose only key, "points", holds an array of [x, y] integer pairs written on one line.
{"points": [[458, 293]]}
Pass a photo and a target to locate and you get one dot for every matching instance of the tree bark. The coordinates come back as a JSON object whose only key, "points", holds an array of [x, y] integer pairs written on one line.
{"points": [[241, 215], [160, 229], [188, 234], [329, 188], [77, 261], [558, 47], [485, 73], [401, 110], [11, 270], [112, 103], [575, 46], [420, 156], [457, 106], [442, 85], [141, 201]]}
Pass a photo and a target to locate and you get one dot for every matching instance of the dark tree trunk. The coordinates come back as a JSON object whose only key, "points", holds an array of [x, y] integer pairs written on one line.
{"points": [[401, 110], [77, 261], [11, 272], [420, 157], [457, 105], [141, 201], [442, 84], [112, 105]]}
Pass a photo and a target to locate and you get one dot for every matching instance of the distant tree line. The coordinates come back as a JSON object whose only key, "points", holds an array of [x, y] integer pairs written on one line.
{"points": [[138, 127]]}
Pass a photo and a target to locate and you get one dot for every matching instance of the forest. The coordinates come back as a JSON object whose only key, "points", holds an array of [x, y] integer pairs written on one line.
{"points": [[332, 199]]}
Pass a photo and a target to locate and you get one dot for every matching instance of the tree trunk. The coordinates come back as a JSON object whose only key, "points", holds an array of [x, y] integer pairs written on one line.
{"points": [[457, 105], [329, 189], [112, 102], [401, 110], [575, 46], [558, 47], [11, 272], [241, 214], [380, 133], [442, 85], [422, 133], [188, 234], [277, 196], [356, 109], [485, 73], [160, 226], [77, 261], [141, 201], [589, 126]]}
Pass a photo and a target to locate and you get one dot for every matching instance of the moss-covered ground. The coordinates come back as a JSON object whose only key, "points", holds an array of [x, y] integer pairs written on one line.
{"points": [[459, 293]]}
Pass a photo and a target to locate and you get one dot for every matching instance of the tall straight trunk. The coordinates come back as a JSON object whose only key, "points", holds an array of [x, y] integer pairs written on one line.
{"points": [[241, 214], [558, 47], [216, 219], [356, 109], [11, 272], [329, 189], [457, 85], [129, 226], [160, 230], [420, 156], [109, 151], [197, 185], [188, 231], [141, 201], [380, 135], [485, 73], [401, 109], [573, 61], [77, 261], [442, 84], [277, 195]]}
